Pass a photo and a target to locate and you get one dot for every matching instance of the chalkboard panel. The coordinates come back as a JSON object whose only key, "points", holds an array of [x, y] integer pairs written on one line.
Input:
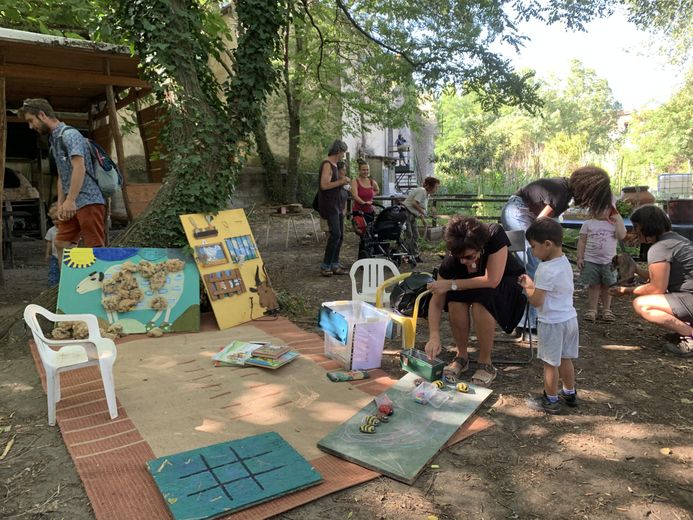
{"points": [[225, 477], [402, 447]]}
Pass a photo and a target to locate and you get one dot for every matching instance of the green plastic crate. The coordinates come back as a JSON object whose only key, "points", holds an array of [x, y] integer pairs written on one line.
{"points": [[416, 361]]}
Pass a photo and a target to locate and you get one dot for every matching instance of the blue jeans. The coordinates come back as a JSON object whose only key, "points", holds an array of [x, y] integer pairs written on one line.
{"points": [[334, 241], [53, 271], [516, 216]]}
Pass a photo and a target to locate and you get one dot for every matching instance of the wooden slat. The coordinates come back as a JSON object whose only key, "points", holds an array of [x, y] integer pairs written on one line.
{"points": [[151, 113], [132, 96], [118, 140], [68, 76], [3, 144], [143, 192]]}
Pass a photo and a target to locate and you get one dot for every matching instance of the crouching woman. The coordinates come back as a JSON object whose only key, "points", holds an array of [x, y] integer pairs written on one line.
{"points": [[477, 279], [667, 297]]}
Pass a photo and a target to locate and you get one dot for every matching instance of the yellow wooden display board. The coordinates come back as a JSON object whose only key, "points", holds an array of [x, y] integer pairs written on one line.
{"points": [[230, 265]]}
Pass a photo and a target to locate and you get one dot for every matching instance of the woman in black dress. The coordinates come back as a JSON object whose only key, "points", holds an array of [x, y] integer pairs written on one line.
{"points": [[477, 278]]}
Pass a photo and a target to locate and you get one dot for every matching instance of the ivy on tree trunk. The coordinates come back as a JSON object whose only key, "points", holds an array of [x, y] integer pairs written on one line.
{"points": [[207, 125]]}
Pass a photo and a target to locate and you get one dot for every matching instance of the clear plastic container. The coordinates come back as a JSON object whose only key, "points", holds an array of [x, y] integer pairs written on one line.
{"points": [[428, 393]]}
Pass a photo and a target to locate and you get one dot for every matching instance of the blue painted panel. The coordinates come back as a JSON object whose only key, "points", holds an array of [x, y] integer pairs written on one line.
{"points": [[333, 324], [229, 476]]}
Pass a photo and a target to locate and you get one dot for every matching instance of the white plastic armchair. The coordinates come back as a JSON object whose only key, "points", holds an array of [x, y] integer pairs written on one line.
{"points": [[374, 273], [62, 355]]}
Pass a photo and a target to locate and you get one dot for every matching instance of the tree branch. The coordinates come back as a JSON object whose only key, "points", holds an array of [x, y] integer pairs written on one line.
{"points": [[322, 40], [375, 40]]}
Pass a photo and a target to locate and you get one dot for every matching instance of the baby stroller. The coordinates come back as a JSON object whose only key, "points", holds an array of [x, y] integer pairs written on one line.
{"points": [[382, 234]]}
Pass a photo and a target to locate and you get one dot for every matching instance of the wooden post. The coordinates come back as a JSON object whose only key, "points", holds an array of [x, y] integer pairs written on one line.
{"points": [[118, 139], [3, 142]]}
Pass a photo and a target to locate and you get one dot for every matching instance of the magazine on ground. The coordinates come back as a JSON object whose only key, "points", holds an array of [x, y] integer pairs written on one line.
{"points": [[271, 351], [235, 353], [272, 363]]}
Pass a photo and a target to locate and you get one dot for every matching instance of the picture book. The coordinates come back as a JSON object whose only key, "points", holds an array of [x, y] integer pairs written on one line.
{"points": [[272, 363], [271, 351], [235, 354]]}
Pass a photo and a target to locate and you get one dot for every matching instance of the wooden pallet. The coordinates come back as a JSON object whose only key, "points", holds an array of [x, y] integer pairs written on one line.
{"points": [[223, 284]]}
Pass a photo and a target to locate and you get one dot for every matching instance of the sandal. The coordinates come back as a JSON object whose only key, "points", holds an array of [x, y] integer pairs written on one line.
{"points": [[484, 375], [590, 316], [608, 316], [450, 374], [683, 348]]}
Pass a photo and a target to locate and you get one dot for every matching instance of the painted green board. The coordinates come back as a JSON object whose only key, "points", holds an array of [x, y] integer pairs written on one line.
{"points": [[85, 270], [403, 447], [229, 476]]}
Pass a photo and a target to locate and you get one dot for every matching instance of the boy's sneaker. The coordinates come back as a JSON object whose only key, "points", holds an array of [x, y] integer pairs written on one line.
{"points": [[541, 403], [568, 399]]}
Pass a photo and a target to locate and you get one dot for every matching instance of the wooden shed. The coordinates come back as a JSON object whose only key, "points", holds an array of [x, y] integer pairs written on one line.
{"points": [[86, 83]]}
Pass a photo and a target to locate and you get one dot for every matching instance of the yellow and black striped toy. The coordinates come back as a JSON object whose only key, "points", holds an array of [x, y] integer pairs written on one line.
{"points": [[462, 387], [367, 428], [371, 420]]}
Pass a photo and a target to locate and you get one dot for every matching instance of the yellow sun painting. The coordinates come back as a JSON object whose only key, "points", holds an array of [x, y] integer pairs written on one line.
{"points": [[79, 258]]}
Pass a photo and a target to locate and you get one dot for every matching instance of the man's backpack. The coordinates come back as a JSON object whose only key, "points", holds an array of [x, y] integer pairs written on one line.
{"points": [[106, 172]]}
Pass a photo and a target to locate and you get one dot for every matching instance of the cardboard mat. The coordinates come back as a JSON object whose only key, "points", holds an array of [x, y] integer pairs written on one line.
{"points": [[172, 399]]}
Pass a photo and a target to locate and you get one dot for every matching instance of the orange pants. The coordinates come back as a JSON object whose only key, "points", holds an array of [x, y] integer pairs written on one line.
{"points": [[88, 223]]}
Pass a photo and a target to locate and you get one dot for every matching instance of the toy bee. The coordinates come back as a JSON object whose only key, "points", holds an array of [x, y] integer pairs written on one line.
{"points": [[439, 384], [367, 428], [462, 387], [383, 417], [371, 420]]}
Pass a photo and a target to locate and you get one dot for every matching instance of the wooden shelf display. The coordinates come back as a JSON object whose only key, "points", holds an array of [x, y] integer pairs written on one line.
{"points": [[230, 265], [223, 284]]}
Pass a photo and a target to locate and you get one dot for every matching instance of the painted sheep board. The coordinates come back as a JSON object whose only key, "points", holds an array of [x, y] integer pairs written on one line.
{"points": [[85, 269]]}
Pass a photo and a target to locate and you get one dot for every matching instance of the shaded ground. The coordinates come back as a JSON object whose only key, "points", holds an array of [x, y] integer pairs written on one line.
{"points": [[603, 460]]}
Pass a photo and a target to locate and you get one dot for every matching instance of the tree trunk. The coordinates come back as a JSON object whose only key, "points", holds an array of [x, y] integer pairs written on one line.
{"points": [[294, 150], [274, 184]]}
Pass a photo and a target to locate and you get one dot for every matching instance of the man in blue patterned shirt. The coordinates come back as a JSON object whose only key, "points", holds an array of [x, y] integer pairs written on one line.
{"points": [[81, 206]]}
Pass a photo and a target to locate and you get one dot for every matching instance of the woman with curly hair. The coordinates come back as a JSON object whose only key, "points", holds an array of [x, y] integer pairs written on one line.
{"points": [[589, 187], [477, 279]]}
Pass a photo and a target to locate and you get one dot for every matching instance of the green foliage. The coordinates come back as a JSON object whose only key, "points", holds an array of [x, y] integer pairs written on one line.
{"points": [[206, 128], [69, 18], [661, 140], [496, 152]]}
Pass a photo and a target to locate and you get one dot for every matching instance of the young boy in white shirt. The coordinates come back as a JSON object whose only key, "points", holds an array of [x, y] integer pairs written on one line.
{"points": [[552, 294]]}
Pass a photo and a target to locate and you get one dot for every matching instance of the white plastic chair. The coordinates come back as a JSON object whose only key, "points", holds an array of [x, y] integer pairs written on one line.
{"points": [[63, 355], [374, 274]]}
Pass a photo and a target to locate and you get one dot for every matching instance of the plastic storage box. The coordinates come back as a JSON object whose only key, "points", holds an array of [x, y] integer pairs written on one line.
{"points": [[354, 333], [417, 362]]}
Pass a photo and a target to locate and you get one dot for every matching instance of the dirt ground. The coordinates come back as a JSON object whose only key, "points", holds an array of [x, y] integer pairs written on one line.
{"points": [[626, 452]]}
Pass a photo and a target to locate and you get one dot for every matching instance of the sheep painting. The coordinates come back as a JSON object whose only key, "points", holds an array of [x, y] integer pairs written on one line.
{"points": [[170, 290]]}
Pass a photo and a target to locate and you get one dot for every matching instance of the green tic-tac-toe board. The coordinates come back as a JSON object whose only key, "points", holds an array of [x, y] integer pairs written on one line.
{"points": [[226, 477]]}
